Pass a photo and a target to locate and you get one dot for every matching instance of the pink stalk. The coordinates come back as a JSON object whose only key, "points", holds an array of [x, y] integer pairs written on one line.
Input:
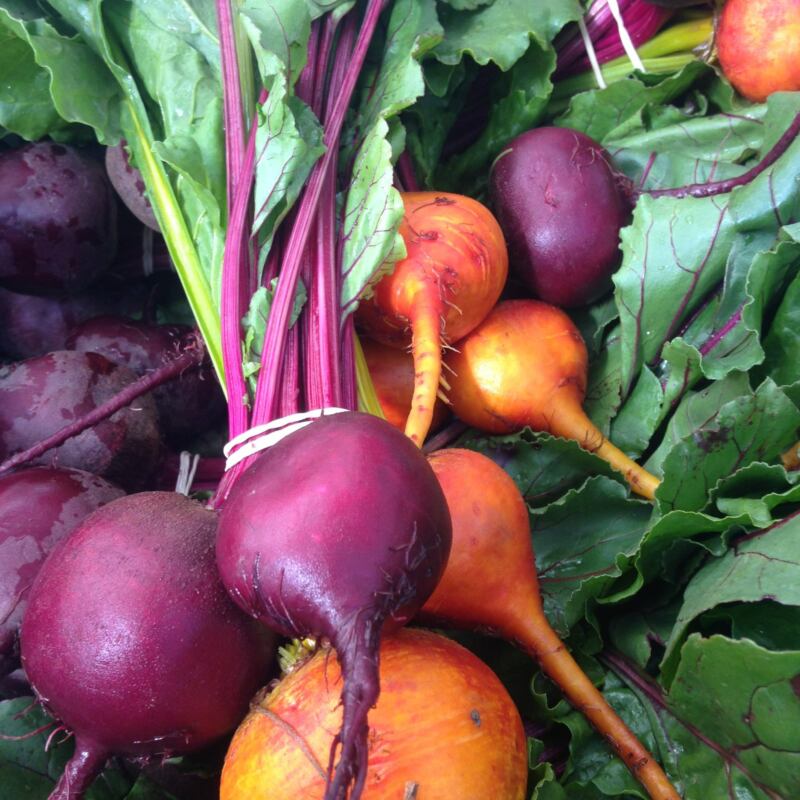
{"points": [[232, 97], [723, 187], [405, 170], [191, 356], [266, 405]]}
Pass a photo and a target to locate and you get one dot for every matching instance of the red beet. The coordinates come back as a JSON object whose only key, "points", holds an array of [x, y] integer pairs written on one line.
{"points": [[561, 206], [335, 531], [129, 184], [38, 508], [186, 405], [57, 219], [131, 641], [41, 395]]}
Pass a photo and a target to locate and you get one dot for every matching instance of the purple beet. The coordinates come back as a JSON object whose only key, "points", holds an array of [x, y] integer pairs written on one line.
{"points": [[129, 184], [38, 508], [42, 395], [186, 405], [335, 531], [57, 219], [131, 640], [561, 206]]}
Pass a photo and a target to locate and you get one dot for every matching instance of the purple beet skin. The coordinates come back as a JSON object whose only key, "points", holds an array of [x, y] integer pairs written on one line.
{"points": [[187, 405], [129, 184], [561, 206], [335, 531], [38, 508], [42, 395], [131, 640], [57, 219]]}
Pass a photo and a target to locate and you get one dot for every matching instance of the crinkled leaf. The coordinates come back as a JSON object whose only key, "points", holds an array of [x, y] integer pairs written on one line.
{"points": [[502, 31], [782, 343], [757, 426], [542, 466], [639, 416], [288, 144], [517, 103], [614, 112], [80, 88], [373, 212], [762, 565], [664, 257], [583, 542]]}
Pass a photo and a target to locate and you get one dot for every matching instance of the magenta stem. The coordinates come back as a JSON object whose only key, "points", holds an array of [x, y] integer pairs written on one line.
{"points": [[191, 356], [274, 341], [722, 187], [232, 97], [405, 170]]}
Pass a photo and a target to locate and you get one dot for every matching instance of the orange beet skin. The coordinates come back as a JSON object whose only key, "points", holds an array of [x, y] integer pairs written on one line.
{"points": [[453, 273], [525, 365], [758, 43], [443, 722]]}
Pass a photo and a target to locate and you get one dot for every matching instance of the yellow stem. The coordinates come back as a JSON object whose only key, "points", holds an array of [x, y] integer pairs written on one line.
{"points": [[577, 426]]}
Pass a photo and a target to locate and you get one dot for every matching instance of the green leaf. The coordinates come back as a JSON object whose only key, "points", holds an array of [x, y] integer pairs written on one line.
{"points": [[614, 112], [502, 31], [542, 466], [757, 426], [583, 542], [26, 107], [763, 565], [782, 343], [744, 699], [373, 213], [518, 102]]}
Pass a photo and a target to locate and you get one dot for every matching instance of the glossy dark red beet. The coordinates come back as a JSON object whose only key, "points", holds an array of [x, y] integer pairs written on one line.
{"points": [[129, 185], [57, 219], [38, 508], [561, 206], [335, 531], [41, 395], [131, 640]]}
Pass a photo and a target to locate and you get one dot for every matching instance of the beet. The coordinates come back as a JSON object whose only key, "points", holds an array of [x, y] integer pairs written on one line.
{"points": [[335, 531], [129, 185], [57, 219], [187, 404], [38, 508], [41, 395], [561, 206], [131, 641]]}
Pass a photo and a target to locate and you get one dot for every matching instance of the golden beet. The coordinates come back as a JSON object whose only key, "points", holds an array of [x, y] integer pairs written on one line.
{"points": [[443, 722]]}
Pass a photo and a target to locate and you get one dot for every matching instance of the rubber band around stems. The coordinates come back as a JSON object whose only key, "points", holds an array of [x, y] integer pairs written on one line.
{"points": [[590, 52], [261, 437], [624, 36]]}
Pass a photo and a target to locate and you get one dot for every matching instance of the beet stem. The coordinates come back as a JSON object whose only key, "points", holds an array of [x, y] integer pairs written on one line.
{"points": [[84, 766], [722, 187], [191, 356]]}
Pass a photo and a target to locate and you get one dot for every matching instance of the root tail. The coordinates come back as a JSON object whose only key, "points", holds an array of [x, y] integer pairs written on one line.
{"points": [[427, 351]]}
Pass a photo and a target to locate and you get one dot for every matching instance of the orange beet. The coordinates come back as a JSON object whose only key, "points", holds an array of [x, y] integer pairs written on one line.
{"points": [[490, 583], [392, 373], [454, 271], [758, 43], [525, 365], [443, 722]]}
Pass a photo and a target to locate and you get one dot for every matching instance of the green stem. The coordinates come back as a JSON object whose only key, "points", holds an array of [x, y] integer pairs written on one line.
{"points": [[367, 399], [613, 71], [677, 39], [180, 244]]}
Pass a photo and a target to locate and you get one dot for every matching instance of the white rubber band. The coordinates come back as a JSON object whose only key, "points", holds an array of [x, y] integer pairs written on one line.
{"points": [[589, 45], [624, 36], [261, 437]]}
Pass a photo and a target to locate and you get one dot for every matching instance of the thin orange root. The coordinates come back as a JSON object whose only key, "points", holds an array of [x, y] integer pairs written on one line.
{"points": [[542, 642], [426, 346], [791, 458], [577, 426]]}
